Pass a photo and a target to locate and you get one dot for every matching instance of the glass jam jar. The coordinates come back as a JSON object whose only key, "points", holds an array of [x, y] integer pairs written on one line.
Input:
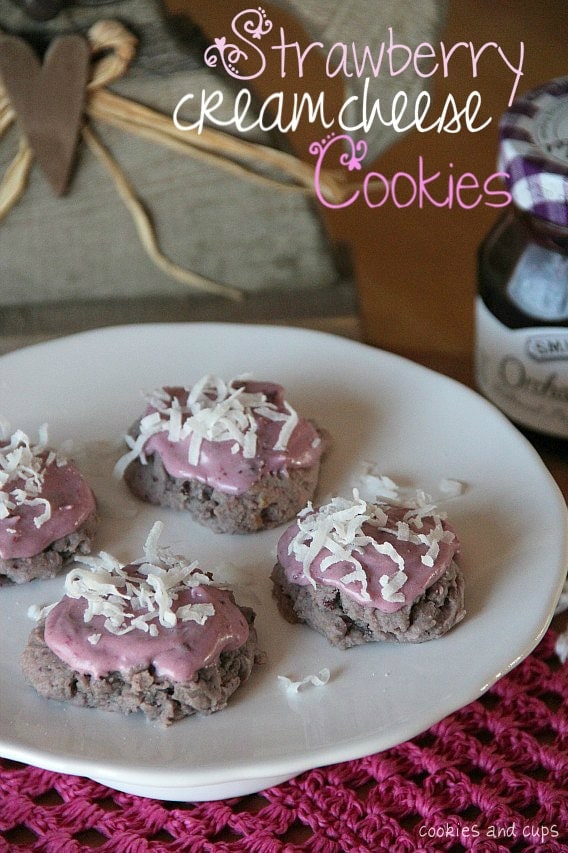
{"points": [[521, 354]]}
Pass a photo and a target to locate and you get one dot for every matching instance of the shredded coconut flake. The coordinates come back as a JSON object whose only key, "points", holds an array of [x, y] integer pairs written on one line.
{"points": [[375, 486], [562, 603], [36, 612], [199, 613], [318, 680], [390, 586], [561, 646], [4, 428], [451, 488], [214, 411]]}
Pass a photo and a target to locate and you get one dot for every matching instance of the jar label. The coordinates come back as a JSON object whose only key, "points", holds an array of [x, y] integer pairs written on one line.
{"points": [[524, 371]]}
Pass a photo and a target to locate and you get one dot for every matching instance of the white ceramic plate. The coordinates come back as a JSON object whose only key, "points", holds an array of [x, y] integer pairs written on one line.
{"points": [[417, 426]]}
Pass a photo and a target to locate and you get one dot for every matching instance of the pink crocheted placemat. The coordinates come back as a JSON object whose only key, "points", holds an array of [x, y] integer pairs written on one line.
{"points": [[490, 777]]}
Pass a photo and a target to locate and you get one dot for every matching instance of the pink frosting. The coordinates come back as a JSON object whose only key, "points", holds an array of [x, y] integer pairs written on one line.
{"points": [[230, 472], [72, 502], [176, 653], [375, 565]]}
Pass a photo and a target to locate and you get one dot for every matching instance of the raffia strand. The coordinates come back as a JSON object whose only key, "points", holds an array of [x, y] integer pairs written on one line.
{"points": [[144, 227], [113, 47], [15, 179]]}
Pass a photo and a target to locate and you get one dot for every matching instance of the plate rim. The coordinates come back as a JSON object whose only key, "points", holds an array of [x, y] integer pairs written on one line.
{"points": [[181, 777]]}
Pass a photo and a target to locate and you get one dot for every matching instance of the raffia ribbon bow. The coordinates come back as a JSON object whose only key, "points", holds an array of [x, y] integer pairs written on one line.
{"points": [[112, 49]]}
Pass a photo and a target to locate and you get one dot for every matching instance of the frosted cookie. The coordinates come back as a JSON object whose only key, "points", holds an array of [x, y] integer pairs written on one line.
{"points": [[156, 636], [235, 455], [47, 509], [359, 572]]}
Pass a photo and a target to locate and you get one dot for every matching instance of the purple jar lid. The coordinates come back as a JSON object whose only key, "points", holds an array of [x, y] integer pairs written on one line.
{"points": [[533, 151]]}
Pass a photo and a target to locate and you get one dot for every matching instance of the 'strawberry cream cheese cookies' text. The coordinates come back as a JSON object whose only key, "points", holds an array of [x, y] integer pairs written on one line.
{"points": [[359, 572], [156, 636], [47, 509], [236, 455]]}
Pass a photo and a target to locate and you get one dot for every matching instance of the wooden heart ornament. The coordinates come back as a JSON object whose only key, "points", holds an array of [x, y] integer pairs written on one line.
{"points": [[48, 99]]}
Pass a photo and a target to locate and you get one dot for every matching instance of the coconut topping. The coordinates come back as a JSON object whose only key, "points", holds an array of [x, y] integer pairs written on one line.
{"points": [[161, 612], [379, 553], [215, 411], [374, 486], [22, 472], [134, 596], [43, 497]]}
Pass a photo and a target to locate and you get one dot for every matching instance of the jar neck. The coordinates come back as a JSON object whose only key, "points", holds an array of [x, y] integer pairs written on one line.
{"points": [[547, 234]]}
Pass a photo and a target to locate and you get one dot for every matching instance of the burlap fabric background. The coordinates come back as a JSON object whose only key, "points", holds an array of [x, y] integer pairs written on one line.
{"points": [[84, 246]]}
